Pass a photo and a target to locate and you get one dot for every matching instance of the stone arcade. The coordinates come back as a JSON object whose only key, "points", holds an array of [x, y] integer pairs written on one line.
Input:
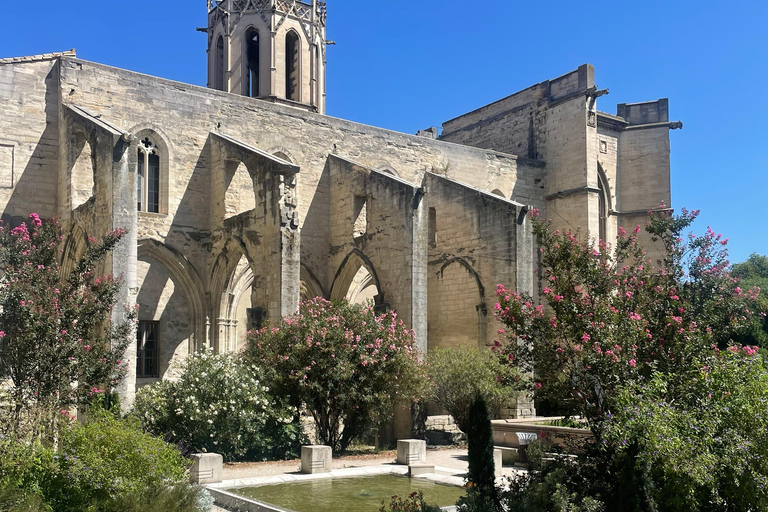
{"points": [[242, 198]]}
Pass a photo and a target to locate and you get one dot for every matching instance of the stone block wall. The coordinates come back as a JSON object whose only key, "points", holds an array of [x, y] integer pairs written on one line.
{"points": [[473, 247], [29, 138]]}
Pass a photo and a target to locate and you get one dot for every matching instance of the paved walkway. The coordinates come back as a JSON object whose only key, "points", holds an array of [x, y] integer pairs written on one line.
{"points": [[450, 467], [454, 459]]}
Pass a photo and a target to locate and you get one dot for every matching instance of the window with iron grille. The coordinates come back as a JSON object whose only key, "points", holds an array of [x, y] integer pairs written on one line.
{"points": [[147, 349]]}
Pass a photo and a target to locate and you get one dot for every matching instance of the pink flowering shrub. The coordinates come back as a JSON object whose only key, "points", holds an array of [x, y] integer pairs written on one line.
{"points": [[753, 279], [346, 364], [611, 322], [58, 347], [647, 350]]}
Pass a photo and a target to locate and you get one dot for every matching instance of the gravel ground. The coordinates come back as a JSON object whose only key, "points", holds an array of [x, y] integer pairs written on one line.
{"points": [[448, 457]]}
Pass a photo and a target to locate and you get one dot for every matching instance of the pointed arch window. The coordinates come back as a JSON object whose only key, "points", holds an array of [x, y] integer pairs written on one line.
{"points": [[220, 64], [252, 63], [292, 72], [148, 177], [603, 203]]}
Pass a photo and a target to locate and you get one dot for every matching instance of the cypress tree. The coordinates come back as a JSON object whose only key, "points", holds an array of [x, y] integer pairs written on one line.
{"points": [[482, 471]]}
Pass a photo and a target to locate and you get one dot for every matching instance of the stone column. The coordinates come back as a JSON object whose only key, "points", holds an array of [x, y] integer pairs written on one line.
{"points": [[124, 256], [419, 261]]}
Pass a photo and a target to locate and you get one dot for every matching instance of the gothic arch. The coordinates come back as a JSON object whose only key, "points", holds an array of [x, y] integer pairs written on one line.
{"points": [[282, 153], [604, 185], [604, 202], [455, 316], [310, 285], [386, 167], [232, 279], [74, 248], [184, 273], [498, 193], [464, 263], [348, 271]]}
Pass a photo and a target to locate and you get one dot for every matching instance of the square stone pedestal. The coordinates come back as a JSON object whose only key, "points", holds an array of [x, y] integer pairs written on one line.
{"points": [[316, 459], [497, 462], [206, 468], [411, 451]]}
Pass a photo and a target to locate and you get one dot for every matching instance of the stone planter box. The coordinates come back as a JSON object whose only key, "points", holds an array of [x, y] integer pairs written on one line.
{"points": [[518, 433]]}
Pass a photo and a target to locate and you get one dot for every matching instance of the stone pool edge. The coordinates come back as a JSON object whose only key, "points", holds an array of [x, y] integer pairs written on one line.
{"points": [[237, 503]]}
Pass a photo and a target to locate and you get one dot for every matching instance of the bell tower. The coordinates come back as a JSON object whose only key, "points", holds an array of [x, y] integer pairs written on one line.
{"points": [[269, 49]]}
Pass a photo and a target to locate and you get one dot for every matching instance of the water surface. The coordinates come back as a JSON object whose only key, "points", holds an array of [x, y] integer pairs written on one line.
{"points": [[358, 494]]}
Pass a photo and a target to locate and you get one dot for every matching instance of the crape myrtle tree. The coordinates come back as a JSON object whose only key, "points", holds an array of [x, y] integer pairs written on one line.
{"points": [[754, 273], [610, 322], [647, 351], [58, 346], [346, 364]]}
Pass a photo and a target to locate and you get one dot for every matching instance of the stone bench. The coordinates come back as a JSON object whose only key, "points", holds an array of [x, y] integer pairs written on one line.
{"points": [[509, 455]]}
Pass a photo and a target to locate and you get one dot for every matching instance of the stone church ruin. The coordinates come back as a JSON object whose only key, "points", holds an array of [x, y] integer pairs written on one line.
{"points": [[242, 198]]}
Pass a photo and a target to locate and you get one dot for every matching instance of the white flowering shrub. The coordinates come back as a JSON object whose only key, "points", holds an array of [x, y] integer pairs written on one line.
{"points": [[218, 405]]}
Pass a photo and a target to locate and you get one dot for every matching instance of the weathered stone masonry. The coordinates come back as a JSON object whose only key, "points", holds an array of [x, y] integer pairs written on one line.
{"points": [[238, 207]]}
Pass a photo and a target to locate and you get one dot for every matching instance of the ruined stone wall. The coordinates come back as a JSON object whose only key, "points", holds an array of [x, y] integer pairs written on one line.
{"points": [[183, 115], [473, 249], [161, 299], [386, 247], [29, 138]]}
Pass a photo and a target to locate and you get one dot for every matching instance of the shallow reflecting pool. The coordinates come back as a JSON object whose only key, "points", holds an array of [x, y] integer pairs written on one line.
{"points": [[359, 494]]}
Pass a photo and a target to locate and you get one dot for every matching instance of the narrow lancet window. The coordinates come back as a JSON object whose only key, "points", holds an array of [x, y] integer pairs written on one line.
{"points": [[148, 177], [219, 84], [292, 81], [252, 63]]}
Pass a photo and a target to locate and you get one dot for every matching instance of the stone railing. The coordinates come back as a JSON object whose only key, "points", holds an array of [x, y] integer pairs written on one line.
{"points": [[517, 433]]}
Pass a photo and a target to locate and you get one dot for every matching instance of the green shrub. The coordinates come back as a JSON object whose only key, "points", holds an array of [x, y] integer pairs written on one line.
{"points": [[345, 363], [22, 466], [460, 374], [104, 465], [218, 405], [413, 503]]}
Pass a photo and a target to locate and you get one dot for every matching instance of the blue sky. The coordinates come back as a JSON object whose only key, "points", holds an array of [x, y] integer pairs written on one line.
{"points": [[409, 64]]}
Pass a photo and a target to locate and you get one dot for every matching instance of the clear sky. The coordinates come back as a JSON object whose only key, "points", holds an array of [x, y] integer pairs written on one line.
{"points": [[410, 64]]}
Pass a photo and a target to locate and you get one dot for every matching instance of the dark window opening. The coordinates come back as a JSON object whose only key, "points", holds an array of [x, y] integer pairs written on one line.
{"points": [[153, 184], [252, 62], [257, 317], [220, 64], [432, 227], [292, 66], [147, 349]]}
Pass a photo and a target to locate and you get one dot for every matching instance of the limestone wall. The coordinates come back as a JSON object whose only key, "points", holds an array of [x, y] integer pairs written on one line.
{"points": [[474, 247], [29, 138]]}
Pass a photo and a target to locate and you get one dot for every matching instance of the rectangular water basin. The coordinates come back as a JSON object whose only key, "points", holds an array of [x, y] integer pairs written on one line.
{"points": [[358, 494]]}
